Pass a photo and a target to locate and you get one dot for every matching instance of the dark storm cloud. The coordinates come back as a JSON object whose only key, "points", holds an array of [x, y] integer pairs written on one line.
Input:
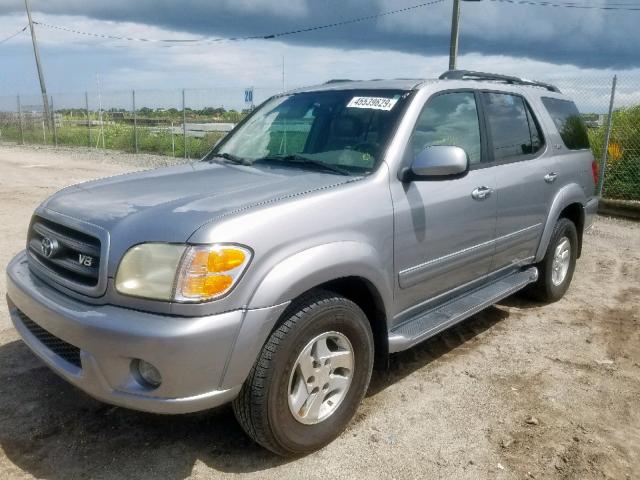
{"points": [[586, 38]]}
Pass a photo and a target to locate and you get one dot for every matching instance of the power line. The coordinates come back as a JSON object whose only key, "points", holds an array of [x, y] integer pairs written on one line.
{"points": [[624, 7], [14, 35], [118, 37], [353, 20], [611, 6], [195, 41]]}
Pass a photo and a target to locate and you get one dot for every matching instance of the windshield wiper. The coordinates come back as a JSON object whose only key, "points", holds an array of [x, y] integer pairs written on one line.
{"points": [[233, 158], [307, 162]]}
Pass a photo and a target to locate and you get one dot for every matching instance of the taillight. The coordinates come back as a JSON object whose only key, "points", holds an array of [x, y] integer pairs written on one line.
{"points": [[595, 170]]}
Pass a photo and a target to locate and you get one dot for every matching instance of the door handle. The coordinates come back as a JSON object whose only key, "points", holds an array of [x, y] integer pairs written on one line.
{"points": [[550, 177], [481, 193]]}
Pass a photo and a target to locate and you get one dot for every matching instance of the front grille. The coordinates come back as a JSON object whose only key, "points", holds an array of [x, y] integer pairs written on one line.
{"points": [[66, 253], [64, 350]]}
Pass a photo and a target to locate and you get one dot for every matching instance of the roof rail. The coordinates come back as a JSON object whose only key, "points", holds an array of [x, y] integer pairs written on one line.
{"points": [[337, 80], [471, 75]]}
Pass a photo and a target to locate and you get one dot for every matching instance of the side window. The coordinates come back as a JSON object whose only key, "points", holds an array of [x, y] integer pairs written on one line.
{"points": [[568, 121], [449, 119], [514, 131]]}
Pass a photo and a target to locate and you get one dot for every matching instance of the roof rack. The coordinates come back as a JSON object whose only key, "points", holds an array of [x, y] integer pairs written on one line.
{"points": [[337, 80], [471, 75]]}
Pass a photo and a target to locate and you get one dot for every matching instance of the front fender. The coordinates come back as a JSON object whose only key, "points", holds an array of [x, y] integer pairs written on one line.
{"points": [[320, 264], [571, 193], [291, 278]]}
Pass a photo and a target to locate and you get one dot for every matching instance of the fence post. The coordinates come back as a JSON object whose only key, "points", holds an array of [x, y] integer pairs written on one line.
{"points": [[605, 150], [135, 121], [20, 121], [173, 142], [86, 104], [184, 124], [53, 122]]}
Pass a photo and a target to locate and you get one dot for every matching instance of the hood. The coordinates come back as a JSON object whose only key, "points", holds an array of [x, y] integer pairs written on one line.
{"points": [[169, 204]]}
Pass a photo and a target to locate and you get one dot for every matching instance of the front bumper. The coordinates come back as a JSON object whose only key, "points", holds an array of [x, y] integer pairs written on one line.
{"points": [[203, 360]]}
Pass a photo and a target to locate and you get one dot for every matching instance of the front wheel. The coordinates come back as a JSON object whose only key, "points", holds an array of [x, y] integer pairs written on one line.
{"points": [[310, 377], [556, 269]]}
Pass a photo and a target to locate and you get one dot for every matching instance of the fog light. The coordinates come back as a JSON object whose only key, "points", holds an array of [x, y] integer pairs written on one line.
{"points": [[148, 373]]}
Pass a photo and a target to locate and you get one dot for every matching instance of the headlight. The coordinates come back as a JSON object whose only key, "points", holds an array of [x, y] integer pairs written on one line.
{"points": [[149, 270], [181, 273]]}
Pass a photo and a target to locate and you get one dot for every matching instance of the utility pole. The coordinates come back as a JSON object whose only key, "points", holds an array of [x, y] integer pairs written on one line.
{"points": [[453, 45], [455, 24], [43, 88]]}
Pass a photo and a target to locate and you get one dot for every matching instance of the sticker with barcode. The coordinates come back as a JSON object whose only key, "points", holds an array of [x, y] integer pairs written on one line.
{"points": [[376, 103]]}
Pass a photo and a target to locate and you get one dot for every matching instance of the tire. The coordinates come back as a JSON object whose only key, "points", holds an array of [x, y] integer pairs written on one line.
{"points": [[263, 405], [547, 288]]}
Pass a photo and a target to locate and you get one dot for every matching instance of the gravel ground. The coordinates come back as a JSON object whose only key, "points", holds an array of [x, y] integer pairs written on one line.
{"points": [[520, 390]]}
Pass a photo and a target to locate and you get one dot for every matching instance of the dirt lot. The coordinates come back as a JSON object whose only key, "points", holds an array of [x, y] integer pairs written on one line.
{"points": [[518, 391]]}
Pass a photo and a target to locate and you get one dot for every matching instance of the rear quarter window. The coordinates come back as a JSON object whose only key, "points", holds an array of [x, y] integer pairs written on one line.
{"points": [[568, 121]]}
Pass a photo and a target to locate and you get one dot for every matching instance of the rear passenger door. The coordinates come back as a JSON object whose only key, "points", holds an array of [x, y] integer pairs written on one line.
{"points": [[525, 176]]}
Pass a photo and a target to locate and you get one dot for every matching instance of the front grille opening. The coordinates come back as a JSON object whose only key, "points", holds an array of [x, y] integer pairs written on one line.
{"points": [[69, 232], [61, 271], [75, 256], [64, 350]]}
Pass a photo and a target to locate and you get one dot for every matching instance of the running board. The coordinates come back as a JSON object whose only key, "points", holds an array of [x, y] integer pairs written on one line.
{"points": [[432, 322]]}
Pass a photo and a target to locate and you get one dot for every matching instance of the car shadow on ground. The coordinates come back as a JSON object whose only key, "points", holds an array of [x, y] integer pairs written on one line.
{"points": [[454, 340], [521, 301], [52, 430]]}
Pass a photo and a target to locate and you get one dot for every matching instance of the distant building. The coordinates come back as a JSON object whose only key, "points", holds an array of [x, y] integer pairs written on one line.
{"points": [[594, 120]]}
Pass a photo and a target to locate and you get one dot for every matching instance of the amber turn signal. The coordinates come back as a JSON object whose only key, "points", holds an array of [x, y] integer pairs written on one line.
{"points": [[210, 271]]}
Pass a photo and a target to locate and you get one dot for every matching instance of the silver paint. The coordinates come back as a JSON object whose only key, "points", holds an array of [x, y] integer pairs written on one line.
{"points": [[415, 243]]}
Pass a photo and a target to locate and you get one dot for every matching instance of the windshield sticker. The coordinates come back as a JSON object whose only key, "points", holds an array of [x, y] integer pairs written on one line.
{"points": [[375, 103]]}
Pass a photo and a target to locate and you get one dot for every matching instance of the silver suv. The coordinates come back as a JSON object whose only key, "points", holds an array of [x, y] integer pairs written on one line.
{"points": [[334, 226]]}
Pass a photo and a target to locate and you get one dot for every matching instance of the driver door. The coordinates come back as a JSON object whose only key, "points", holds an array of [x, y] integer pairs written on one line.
{"points": [[444, 227]]}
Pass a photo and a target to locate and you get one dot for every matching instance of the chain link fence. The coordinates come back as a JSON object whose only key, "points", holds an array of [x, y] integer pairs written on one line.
{"points": [[622, 174], [186, 123], [615, 143], [178, 123]]}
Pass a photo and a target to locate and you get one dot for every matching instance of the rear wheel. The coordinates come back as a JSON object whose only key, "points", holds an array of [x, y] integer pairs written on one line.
{"points": [[556, 269], [310, 377]]}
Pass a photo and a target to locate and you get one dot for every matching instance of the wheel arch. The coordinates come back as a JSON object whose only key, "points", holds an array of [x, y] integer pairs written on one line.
{"points": [[364, 294], [351, 269], [321, 265], [575, 213], [569, 203], [358, 289]]}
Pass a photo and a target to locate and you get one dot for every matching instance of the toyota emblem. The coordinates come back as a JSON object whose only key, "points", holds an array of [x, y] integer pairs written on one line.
{"points": [[48, 246]]}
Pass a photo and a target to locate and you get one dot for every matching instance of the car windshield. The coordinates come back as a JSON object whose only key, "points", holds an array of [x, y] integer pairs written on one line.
{"points": [[337, 131]]}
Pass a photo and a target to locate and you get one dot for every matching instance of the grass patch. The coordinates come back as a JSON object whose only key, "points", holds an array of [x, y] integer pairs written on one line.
{"points": [[116, 137]]}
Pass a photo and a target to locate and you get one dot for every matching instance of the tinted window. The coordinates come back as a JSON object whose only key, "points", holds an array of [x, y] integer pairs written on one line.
{"points": [[449, 119], [514, 131], [568, 122]]}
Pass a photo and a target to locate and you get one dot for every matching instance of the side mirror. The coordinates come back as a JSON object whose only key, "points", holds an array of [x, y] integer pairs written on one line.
{"points": [[440, 161]]}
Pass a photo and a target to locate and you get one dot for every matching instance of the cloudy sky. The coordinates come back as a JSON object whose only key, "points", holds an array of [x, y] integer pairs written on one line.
{"points": [[546, 42]]}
